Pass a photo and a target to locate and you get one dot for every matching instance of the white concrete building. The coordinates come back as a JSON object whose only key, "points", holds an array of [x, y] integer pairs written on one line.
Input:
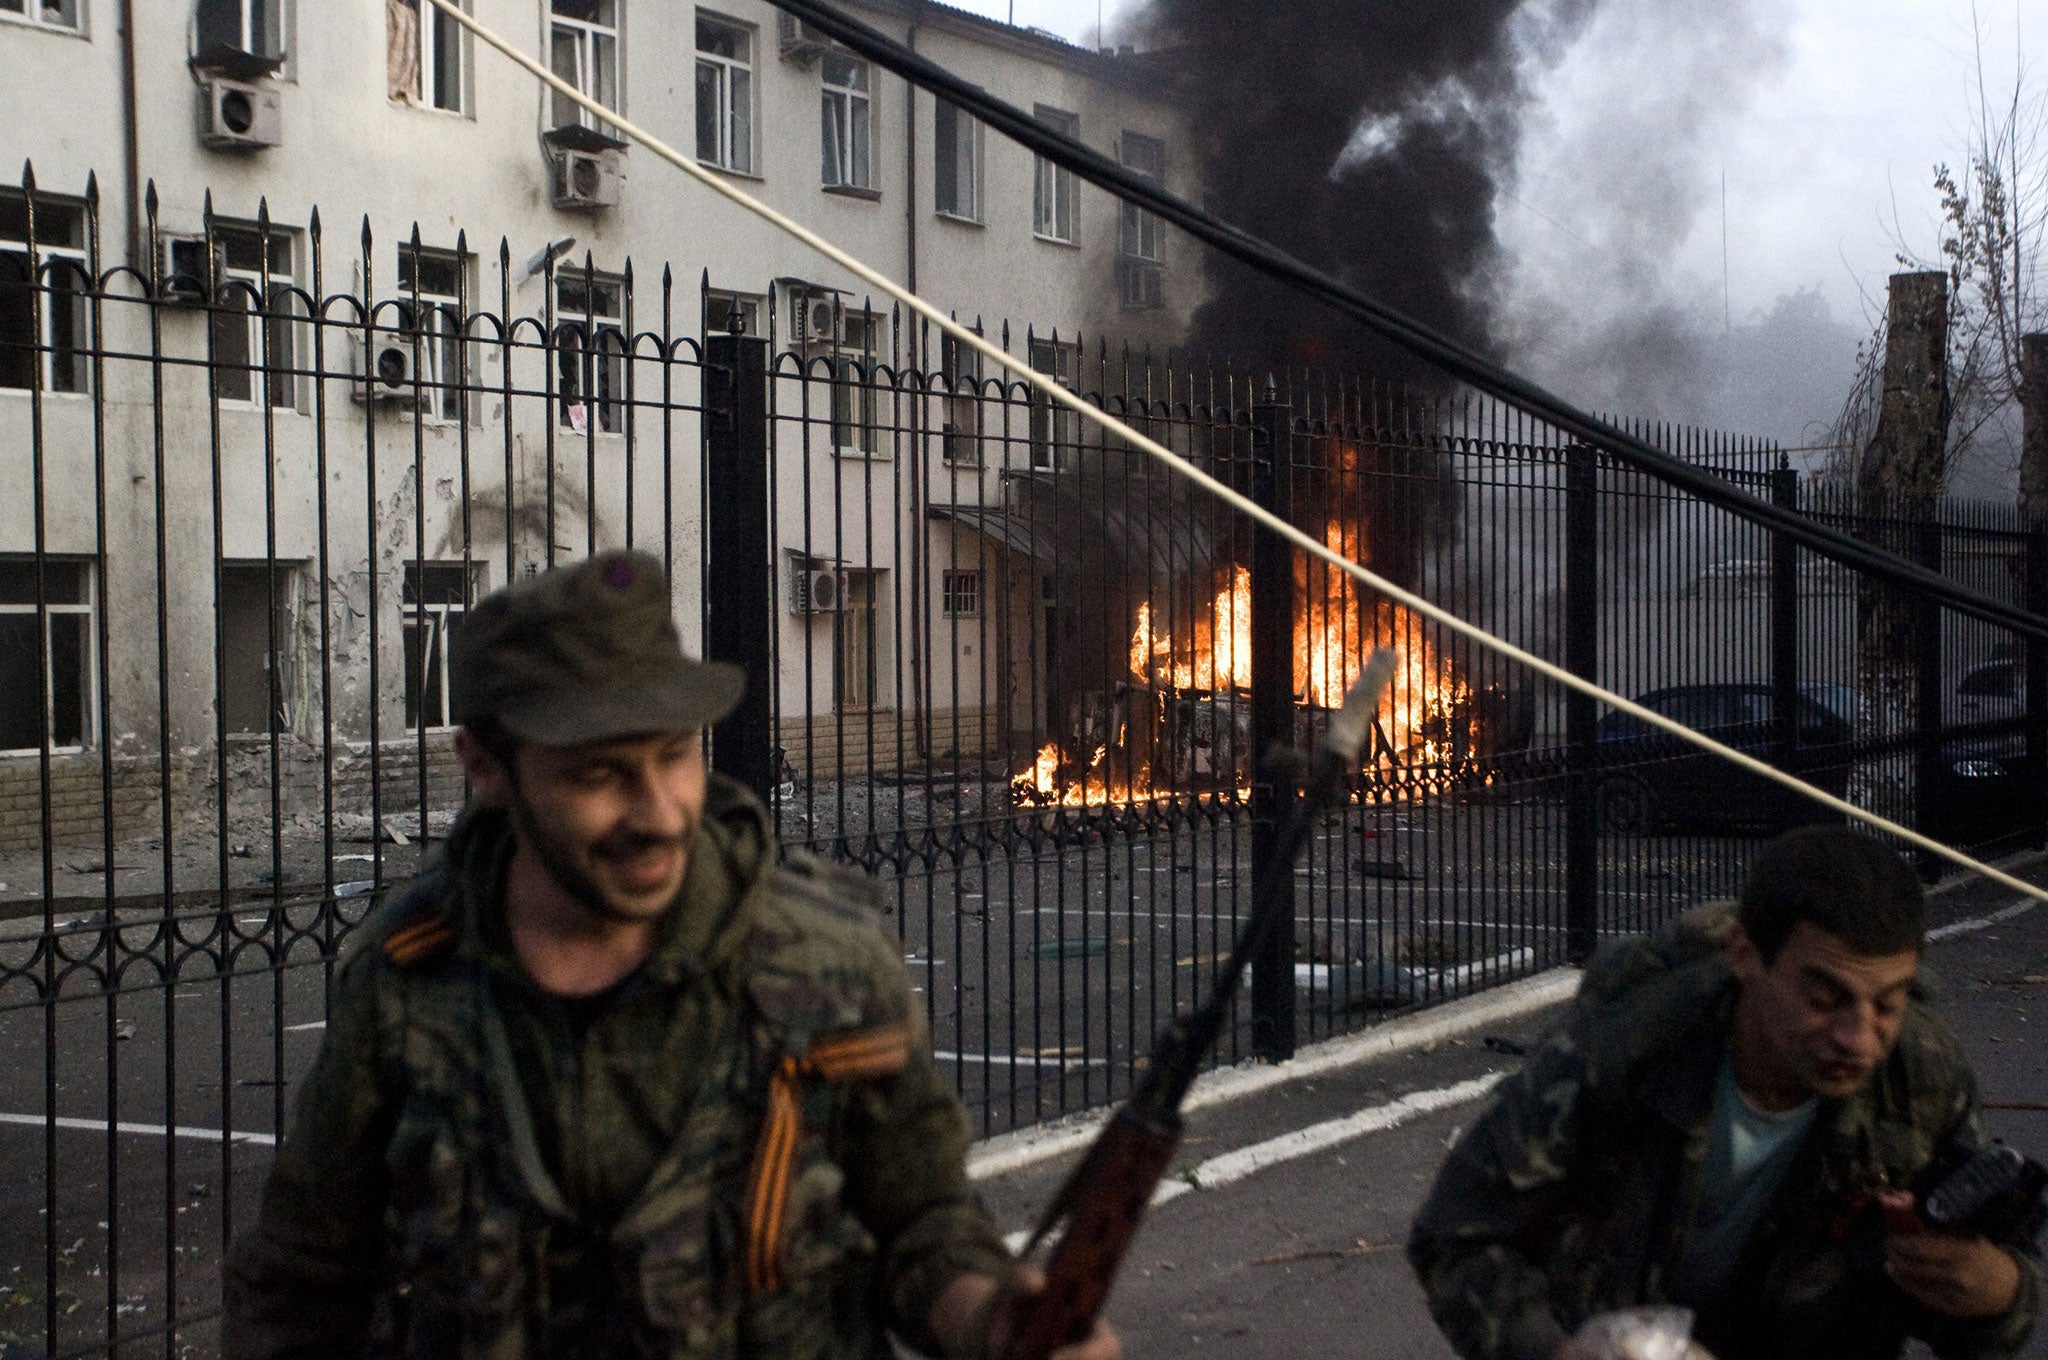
{"points": [[240, 451]]}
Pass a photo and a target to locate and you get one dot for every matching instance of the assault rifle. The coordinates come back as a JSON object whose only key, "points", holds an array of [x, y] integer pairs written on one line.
{"points": [[1104, 1199]]}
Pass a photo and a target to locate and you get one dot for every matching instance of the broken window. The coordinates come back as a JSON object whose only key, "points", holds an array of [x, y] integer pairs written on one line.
{"points": [[254, 322], [725, 95], [848, 123], [255, 630], [59, 14], [1145, 157], [430, 289], [590, 351], [43, 319], [47, 651], [437, 595], [583, 49], [253, 26]]}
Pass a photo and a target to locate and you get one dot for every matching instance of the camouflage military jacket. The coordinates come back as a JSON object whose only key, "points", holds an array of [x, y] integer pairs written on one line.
{"points": [[745, 1152], [1571, 1195]]}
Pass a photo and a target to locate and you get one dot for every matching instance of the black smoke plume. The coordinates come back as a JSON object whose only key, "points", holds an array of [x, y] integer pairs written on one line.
{"points": [[1366, 137]]}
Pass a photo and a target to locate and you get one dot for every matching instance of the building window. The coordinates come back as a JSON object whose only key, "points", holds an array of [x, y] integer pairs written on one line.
{"points": [[728, 313], [956, 161], [1055, 430], [856, 641], [255, 628], [59, 14], [583, 49], [855, 427], [961, 366], [428, 55], [1052, 190], [430, 289], [253, 320], [1145, 157], [437, 595], [43, 317], [961, 594], [725, 95], [590, 349], [848, 121], [253, 26], [48, 654]]}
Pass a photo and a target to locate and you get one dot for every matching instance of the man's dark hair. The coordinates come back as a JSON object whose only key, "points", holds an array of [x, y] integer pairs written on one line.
{"points": [[1836, 880], [498, 739]]}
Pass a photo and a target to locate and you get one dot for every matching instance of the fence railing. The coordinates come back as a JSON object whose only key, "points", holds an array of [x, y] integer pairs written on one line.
{"points": [[1019, 673]]}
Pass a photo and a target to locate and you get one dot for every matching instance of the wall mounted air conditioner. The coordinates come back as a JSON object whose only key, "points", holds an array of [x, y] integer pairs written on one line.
{"points": [[800, 42], [814, 319], [236, 115], [181, 270], [384, 371], [814, 591], [586, 180]]}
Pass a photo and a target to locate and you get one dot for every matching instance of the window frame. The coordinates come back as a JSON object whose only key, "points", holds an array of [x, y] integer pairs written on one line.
{"points": [[595, 366], [1054, 190], [438, 618], [967, 157], [591, 42], [718, 304], [1054, 433], [1140, 233], [442, 340], [960, 433], [39, 261], [850, 139], [30, 16], [283, 660], [960, 592], [432, 22], [732, 153], [88, 658], [276, 12], [857, 628], [271, 342]]}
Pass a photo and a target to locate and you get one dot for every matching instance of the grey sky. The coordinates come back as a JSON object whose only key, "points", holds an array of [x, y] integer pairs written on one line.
{"points": [[1827, 130]]}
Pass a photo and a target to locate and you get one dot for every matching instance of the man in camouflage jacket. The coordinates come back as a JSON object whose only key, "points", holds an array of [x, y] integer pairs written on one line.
{"points": [[1580, 1191], [613, 1079]]}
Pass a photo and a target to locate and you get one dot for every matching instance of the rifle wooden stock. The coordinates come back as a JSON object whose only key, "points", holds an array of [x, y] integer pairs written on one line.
{"points": [[1104, 1200], [1120, 1172]]}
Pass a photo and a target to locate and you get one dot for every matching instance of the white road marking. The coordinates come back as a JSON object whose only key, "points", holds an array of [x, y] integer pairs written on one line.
{"points": [[152, 1130], [1246, 1161], [2019, 908], [310, 1024], [1021, 1059], [1027, 1147]]}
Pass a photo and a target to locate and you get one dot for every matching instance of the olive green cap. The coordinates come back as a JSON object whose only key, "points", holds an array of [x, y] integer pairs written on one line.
{"points": [[585, 652]]}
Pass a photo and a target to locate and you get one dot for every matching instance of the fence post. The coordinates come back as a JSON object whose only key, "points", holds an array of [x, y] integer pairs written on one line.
{"points": [[1581, 657], [1785, 620], [740, 614], [1927, 714], [2034, 519], [1272, 628]]}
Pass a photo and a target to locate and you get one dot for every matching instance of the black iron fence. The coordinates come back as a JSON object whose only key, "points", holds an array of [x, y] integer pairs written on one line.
{"points": [[1016, 670]]}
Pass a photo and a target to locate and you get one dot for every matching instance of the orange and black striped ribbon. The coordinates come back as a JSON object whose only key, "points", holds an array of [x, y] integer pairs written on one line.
{"points": [[419, 940], [855, 1055]]}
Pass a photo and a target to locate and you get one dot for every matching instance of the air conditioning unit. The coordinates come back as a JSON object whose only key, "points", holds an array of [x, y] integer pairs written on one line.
{"points": [[800, 41], [181, 270], [815, 591], [1143, 284], [586, 180], [236, 115], [384, 372], [814, 319]]}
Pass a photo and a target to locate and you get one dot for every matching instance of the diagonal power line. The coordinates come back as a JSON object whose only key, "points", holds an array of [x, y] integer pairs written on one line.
{"points": [[1053, 392]]}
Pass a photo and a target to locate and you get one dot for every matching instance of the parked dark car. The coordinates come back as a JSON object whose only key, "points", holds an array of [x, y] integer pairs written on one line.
{"points": [[1650, 779]]}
